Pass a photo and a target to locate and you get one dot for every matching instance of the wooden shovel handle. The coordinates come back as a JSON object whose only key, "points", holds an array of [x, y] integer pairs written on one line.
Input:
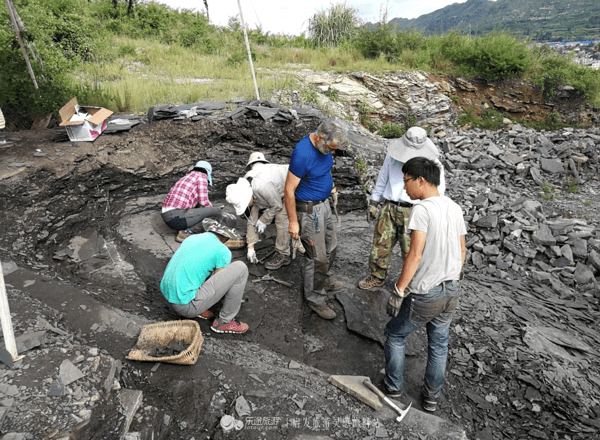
{"points": [[373, 388]]}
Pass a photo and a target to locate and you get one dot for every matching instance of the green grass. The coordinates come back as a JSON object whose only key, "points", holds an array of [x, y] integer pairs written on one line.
{"points": [[148, 73], [151, 74], [158, 55], [547, 192]]}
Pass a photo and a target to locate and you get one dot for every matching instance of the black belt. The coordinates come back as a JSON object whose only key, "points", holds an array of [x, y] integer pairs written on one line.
{"points": [[303, 206], [401, 204], [443, 283]]}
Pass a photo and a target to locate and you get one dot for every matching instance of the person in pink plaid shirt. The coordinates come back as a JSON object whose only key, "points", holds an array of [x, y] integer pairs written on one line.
{"points": [[187, 203]]}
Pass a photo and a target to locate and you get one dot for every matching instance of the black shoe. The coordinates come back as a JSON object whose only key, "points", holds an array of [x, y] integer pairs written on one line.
{"points": [[392, 394], [277, 261], [429, 404]]}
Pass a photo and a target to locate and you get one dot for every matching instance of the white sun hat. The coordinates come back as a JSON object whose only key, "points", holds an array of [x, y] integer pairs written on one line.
{"points": [[414, 143], [257, 156], [239, 195]]}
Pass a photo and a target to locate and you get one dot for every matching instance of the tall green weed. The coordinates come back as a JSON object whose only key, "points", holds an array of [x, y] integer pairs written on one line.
{"points": [[333, 26]]}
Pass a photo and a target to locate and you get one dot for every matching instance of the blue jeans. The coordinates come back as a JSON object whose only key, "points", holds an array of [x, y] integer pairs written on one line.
{"points": [[434, 309]]}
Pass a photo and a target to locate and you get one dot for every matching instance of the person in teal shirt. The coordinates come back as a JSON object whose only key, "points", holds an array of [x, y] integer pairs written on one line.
{"points": [[200, 274]]}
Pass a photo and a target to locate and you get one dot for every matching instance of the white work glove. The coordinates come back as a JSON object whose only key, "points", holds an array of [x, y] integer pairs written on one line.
{"points": [[252, 256], [334, 198], [297, 247], [260, 227]]}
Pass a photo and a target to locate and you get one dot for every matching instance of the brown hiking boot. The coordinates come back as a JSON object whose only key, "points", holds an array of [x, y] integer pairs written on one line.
{"points": [[334, 286], [323, 311], [277, 261], [233, 243], [370, 282]]}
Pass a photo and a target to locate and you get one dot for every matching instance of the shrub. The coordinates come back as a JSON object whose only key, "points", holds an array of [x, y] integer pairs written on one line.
{"points": [[391, 131], [154, 19], [553, 70], [238, 58], [494, 56], [195, 30], [374, 43]]}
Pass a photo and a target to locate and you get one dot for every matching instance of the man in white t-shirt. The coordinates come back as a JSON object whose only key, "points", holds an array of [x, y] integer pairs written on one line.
{"points": [[427, 291]]}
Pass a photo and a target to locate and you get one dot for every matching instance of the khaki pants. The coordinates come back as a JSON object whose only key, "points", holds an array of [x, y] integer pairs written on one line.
{"points": [[229, 284], [320, 250]]}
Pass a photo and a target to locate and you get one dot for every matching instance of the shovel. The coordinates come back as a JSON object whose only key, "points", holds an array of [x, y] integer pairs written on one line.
{"points": [[402, 413]]}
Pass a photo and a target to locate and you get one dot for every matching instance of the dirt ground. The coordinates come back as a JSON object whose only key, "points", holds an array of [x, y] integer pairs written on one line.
{"points": [[76, 210]]}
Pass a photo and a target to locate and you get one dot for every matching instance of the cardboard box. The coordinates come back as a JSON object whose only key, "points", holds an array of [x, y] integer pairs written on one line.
{"points": [[83, 123]]}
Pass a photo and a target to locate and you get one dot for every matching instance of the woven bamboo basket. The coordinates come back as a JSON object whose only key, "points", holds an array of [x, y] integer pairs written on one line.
{"points": [[160, 334]]}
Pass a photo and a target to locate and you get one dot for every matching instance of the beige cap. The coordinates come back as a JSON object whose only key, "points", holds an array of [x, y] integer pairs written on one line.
{"points": [[256, 157], [414, 143]]}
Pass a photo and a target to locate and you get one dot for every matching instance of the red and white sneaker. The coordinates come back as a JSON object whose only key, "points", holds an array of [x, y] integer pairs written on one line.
{"points": [[207, 314], [231, 327]]}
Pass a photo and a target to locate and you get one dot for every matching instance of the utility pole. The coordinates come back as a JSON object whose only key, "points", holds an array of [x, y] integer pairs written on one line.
{"points": [[248, 50]]}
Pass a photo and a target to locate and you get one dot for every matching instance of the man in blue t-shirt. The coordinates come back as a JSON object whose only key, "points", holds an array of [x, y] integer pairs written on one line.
{"points": [[198, 275], [308, 186]]}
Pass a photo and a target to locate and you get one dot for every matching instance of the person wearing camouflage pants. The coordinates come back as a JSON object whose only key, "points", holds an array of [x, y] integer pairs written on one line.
{"points": [[389, 230], [392, 218]]}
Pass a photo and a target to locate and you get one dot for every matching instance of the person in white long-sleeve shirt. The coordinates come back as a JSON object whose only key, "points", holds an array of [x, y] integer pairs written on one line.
{"points": [[259, 196], [392, 218]]}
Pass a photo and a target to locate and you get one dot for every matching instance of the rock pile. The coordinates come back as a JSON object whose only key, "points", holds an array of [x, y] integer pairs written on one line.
{"points": [[389, 98], [526, 338], [503, 179]]}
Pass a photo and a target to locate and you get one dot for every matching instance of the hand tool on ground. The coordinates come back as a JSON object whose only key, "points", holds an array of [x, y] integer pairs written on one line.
{"points": [[268, 277], [387, 400], [263, 259]]}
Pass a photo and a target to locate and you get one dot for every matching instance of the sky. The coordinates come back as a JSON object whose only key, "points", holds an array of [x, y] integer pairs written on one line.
{"points": [[291, 17]]}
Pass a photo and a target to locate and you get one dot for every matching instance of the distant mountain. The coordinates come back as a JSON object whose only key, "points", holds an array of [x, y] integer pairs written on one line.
{"points": [[541, 20]]}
